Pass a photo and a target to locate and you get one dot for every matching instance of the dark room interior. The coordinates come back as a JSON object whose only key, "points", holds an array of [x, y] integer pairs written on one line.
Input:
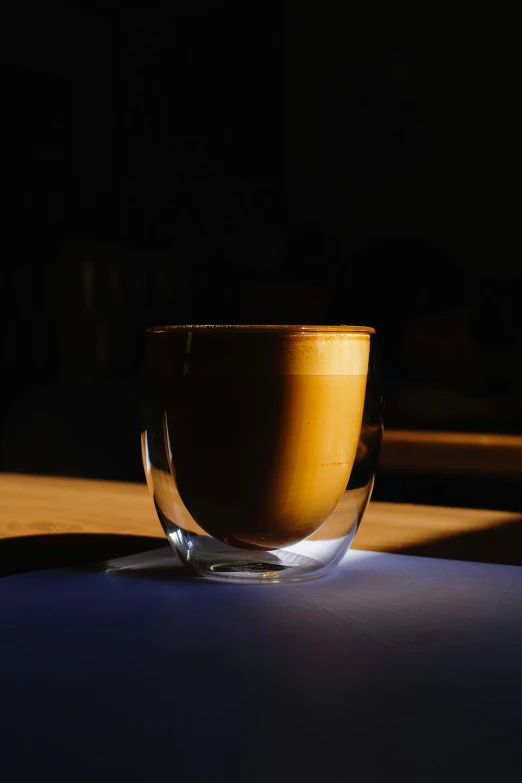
{"points": [[218, 162]]}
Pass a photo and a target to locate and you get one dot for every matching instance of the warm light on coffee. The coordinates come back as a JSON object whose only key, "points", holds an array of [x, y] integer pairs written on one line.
{"points": [[260, 445], [263, 432]]}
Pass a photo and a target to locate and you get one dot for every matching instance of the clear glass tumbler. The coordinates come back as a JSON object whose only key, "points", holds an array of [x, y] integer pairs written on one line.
{"points": [[260, 445]]}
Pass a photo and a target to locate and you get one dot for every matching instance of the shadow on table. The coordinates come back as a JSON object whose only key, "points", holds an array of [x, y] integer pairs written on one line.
{"points": [[71, 550], [499, 544], [168, 572]]}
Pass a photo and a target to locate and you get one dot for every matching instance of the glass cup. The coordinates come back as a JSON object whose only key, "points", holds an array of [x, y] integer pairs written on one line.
{"points": [[260, 445]]}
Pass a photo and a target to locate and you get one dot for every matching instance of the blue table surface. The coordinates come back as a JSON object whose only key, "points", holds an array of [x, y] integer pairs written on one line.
{"points": [[392, 667]]}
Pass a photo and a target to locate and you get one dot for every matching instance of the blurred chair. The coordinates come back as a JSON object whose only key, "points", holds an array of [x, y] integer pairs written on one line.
{"points": [[475, 470], [487, 456]]}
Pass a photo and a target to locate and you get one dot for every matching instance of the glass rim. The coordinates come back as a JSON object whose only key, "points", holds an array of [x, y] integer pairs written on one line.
{"points": [[292, 328]]}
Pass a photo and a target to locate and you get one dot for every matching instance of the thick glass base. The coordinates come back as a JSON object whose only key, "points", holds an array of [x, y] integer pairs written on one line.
{"points": [[306, 560], [255, 572], [249, 576], [238, 565]]}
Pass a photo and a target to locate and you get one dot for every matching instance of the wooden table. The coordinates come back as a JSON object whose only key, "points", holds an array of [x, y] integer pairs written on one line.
{"points": [[120, 517]]}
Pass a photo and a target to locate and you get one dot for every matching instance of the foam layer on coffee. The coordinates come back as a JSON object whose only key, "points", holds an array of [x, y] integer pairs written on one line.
{"points": [[276, 353], [324, 354]]}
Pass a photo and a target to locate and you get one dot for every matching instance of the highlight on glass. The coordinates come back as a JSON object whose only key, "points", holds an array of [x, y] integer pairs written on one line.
{"points": [[260, 445]]}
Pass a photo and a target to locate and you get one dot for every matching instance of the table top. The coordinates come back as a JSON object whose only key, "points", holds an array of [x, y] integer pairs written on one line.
{"points": [[391, 667], [41, 506]]}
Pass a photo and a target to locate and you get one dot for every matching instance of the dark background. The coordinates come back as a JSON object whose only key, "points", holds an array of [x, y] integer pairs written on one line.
{"points": [[276, 162]]}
